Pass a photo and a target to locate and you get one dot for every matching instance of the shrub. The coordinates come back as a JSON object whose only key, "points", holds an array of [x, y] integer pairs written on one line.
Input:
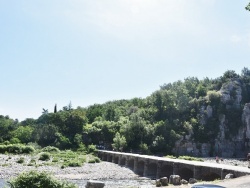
{"points": [[91, 161], [170, 156], [74, 163], [16, 149], [51, 149], [28, 149], [44, 156], [34, 179], [34, 145], [92, 149], [15, 141], [20, 160], [190, 158], [3, 148], [55, 160], [94, 160]]}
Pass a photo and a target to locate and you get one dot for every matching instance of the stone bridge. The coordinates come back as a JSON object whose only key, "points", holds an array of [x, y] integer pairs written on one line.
{"points": [[156, 167]]}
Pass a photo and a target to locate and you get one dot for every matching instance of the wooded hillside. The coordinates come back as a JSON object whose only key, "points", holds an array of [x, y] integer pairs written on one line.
{"points": [[209, 111]]}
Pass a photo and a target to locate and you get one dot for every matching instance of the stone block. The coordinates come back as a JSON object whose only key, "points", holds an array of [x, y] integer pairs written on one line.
{"points": [[164, 181], [175, 179], [94, 184], [184, 182], [229, 176], [192, 180]]}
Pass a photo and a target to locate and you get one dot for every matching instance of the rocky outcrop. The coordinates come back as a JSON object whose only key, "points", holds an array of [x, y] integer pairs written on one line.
{"points": [[246, 120], [227, 143], [231, 93]]}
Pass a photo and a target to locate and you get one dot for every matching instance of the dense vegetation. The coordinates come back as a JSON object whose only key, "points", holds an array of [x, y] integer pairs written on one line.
{"points": [[34, 179], [149, 125]]}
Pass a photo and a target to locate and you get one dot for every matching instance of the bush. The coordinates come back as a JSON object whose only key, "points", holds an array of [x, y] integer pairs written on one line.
{"points": [[170, 156], [190, 158], [44, 156], [15, 141], [28, 149], [74, 163], [16, 149], [34, 179], [92, 149], [21, 160], [94, 160], [51, 149]]}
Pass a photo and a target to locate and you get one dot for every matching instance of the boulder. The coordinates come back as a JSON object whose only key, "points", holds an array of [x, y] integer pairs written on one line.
{"points": [[164, 181], [158, 183], [175, 179], [192, 180], [184, 182], [229, 176], [94, 184]]}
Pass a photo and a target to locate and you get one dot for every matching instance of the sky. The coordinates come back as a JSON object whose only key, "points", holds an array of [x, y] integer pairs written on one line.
{"points": [[93, 51]]}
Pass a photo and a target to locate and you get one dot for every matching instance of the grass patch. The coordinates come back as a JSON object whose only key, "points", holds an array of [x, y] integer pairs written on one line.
{"points": [[94, 160], [20, 160], [189, 158], [170, 157], [44, 156]]}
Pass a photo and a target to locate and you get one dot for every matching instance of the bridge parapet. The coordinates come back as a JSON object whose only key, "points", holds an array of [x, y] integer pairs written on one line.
{"points": [[156, 167]]}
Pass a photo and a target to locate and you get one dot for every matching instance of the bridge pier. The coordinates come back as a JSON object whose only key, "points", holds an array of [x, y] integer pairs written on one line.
{"points": [[136, 164], [159, 167], [119, 159], [145, 172], [197, 172], [176, 168]]}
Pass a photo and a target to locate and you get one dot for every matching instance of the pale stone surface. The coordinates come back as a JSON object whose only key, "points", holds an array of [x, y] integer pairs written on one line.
{"points": [[95, 184], [229, 176], [184, 182]]}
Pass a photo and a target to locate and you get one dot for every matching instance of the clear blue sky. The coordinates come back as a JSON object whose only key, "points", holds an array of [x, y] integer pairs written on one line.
{"points": [[94, 51]]}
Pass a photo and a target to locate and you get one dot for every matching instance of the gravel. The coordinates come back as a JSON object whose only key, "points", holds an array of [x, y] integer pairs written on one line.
{"points": [[105, 171]]}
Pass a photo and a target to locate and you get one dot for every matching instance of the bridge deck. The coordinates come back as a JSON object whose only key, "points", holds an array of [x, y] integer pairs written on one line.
{"points": [[245, 170]]}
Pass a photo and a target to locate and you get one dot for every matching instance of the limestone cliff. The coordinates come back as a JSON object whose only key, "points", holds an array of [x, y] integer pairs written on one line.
{"points": [[233, 122]]}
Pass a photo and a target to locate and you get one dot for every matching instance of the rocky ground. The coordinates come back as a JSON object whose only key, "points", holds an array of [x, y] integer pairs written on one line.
{"points": [[100, 171]]}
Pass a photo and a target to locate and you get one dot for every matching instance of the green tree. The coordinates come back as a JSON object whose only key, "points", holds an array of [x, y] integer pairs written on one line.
{"points": [[248, 7], [23, 133], [45, 111], [45, 134], [55, 108], [119, 142]]}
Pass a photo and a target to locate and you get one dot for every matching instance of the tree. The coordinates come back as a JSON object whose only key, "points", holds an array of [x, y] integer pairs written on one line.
{"points": [[45, 111], [55, 109], [248, 7], [23, 133], [119, 142]]}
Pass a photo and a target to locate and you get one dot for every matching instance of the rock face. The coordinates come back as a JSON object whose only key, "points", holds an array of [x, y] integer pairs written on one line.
{"points": [[233, 139], [246, 119]]}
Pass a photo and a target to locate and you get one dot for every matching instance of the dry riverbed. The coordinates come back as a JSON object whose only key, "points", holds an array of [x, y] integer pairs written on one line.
{"points": [[106, 171]]}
